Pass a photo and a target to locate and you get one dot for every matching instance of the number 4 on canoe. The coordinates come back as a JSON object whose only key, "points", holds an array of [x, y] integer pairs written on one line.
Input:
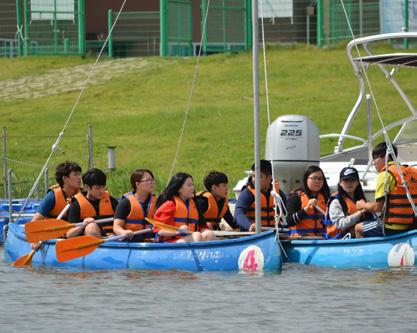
{"points": [[41, 230]]}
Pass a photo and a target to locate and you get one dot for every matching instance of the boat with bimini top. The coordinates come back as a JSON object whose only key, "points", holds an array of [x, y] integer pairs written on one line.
{"points": [[293, 144]]}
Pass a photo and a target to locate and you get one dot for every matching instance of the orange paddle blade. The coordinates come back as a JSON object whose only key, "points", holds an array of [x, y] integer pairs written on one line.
{"points": [[72, 248], [41, 230], [161, 225], [25, 260]]}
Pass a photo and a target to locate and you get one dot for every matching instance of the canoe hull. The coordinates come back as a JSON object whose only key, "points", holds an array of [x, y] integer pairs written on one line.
{"points": [[366, 253], [222, 255]]}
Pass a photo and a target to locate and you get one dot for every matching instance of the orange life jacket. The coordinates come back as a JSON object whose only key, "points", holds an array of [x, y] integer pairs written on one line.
{"points": [[60, 201], [185, 214], [88, 210], [331, 230], [267, 209], [136, 218], [213, 214], [399, 209], [312, 224]]}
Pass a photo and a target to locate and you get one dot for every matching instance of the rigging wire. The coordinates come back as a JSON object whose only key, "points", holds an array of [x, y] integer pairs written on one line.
{"points": [[74, 108], [190, 97], [390, 150]]}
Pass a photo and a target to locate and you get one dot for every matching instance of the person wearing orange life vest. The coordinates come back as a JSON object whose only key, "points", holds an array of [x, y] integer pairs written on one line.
{"points": [[390, 197], [244, 213], [342, 214], [135, 206], [176, 207], [307, 205], [68, 177], [94, 204], [213, 204]]}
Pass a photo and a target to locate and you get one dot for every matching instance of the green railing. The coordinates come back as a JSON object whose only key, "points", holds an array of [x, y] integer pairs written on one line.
{"points": [[136, 33], [51, 27], [176, 35], [227, 28]]}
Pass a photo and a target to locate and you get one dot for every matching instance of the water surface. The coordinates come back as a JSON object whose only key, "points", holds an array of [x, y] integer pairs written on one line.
{"points": [[299, 299]]}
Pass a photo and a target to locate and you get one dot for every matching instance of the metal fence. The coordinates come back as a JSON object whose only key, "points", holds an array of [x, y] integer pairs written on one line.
{"points": [[135, 34], [19, 166], [228, 25], [35, 27], [8, 28], [174, 27]]}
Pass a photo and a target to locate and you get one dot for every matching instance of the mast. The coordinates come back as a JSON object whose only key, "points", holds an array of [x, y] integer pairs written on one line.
{"points": [[256, 114]]}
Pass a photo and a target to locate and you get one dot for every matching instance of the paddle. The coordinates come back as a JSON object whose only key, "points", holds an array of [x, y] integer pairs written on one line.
{"points": [[26, 260], [51, 228], [219, 233], [72, 248], [320, 210], [166, 227]]}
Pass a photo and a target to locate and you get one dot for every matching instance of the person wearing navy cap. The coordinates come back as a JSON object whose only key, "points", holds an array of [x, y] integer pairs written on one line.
{"points": [[342, 214]]}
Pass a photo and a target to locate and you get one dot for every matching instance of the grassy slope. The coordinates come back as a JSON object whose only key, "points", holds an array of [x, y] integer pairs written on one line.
{"points": [[142, 112]]}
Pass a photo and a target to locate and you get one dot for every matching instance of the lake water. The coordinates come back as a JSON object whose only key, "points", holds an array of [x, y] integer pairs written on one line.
{"points": [[299, 299]]}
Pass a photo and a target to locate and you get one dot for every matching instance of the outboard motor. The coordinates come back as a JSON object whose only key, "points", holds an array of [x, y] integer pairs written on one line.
{"points": [[292, 144]]}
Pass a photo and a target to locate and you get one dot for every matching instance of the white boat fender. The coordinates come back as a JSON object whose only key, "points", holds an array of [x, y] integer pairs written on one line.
{"points": [[400, 255]]}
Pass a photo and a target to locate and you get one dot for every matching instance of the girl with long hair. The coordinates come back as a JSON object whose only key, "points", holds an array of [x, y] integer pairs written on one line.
{"points": [[175, 206], [306, 206]]}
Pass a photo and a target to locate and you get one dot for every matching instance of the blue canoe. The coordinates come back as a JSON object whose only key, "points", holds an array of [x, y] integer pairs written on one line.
{"points": [[256, 252], [365, 253]]}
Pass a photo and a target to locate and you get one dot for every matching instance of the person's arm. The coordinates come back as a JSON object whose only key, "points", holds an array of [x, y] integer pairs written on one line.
{"points": [[338, 217], [385, 182], [372, 206], [120, 215], [165, 214], [228, 217], [45, 206], [295, 212], [244, 202], [74, 217]]}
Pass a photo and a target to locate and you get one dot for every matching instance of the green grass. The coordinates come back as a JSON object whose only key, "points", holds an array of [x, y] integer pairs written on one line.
{"points": [[142, 112]]}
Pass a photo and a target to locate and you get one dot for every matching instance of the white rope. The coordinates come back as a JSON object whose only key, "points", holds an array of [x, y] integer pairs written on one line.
{"points": [[187, 110], [390, 150], [280, 212], [74, 108]]}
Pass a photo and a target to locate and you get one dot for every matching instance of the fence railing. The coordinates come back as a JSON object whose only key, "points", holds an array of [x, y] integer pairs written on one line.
{"points": [[174, 27], [22, 175]]}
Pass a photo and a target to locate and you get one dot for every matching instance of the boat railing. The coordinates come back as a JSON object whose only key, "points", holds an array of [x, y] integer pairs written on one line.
{"points": [[357, 65]]}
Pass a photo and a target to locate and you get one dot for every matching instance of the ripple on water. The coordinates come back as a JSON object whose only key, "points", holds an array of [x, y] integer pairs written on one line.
{"points": [[299, 299]]}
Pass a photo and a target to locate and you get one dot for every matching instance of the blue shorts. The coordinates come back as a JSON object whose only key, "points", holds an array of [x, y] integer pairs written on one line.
{"points": [[372, 229], [376, 229]]}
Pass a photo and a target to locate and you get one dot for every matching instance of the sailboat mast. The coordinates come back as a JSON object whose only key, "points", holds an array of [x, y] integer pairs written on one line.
{"points": [[256, 114]]}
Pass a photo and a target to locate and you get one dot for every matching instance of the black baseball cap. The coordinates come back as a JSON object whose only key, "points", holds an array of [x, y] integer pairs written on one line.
{"points": [[349, 173]]}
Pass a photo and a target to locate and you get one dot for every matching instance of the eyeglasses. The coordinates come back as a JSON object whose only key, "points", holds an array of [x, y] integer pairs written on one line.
{"points": [[316, 179], [147, 180]]}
